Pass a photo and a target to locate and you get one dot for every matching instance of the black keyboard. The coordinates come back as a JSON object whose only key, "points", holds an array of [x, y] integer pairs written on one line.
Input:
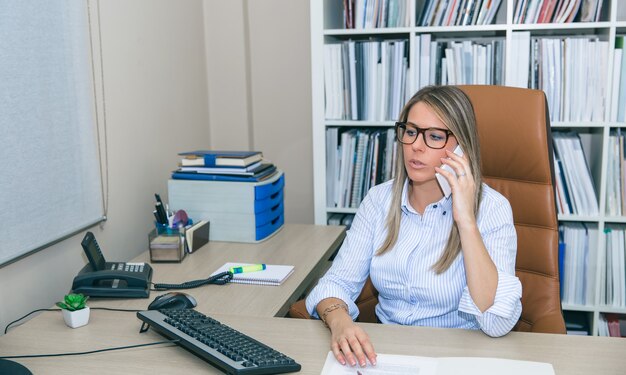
{"points": [[220, 345]]}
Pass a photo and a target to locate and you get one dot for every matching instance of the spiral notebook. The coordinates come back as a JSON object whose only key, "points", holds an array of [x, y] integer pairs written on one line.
{"points": [[273, 274]]}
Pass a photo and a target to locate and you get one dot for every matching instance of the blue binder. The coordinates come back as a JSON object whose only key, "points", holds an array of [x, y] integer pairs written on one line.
{"points": [[223, 177]]}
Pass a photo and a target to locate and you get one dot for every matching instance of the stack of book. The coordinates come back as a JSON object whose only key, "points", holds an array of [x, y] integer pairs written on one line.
{"points": [[612, 325], [577, 267], [613, 274], [356, 160], [557, 11], [363, 14], [244, 166], [238, 192], [575, 190], [458, 13]]}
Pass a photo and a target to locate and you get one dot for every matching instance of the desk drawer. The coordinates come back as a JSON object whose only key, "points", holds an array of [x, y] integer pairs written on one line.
{"points": [[227, 197]]}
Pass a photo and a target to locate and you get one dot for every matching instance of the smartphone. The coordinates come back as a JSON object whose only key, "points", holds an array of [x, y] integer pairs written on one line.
{"points": [[443, 183]]}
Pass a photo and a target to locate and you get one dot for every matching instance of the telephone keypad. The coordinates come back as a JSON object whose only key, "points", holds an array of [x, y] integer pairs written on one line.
{"points": [[134, 267], [128, 267]]}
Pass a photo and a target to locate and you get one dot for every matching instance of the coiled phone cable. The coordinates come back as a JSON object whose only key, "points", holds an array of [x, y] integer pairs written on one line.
{"points": [[218, 279]]}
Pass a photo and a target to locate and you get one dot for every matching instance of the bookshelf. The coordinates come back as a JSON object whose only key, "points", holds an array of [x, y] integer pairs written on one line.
{"points": [[327, 27]]}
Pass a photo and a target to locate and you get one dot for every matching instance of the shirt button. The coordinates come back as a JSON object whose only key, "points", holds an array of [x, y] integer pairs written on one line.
{"points": [[413, 299], [444, 212], [435, 206]]}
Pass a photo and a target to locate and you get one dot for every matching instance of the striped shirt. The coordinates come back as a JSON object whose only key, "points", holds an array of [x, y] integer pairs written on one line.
{"points": [[411, 293]]}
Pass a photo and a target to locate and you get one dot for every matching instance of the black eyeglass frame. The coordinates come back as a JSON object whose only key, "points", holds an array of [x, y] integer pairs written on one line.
{"points": [[422, 131]]}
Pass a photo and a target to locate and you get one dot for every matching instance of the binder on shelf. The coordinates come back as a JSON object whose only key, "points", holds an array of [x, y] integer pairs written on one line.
{"points": [[570, 151], [613, 274], [237, 211], [561, 262]]}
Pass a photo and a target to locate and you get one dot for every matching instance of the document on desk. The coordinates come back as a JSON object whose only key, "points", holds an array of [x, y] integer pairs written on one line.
{"points": [[273, 274], [391, 364], [385, 364]]}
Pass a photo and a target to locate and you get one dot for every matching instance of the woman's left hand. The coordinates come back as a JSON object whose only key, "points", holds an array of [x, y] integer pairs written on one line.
{"points": [[462, 186]]}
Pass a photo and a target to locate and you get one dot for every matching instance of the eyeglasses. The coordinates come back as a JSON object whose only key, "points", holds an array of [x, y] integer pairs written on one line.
{"points": [[436, 138]]}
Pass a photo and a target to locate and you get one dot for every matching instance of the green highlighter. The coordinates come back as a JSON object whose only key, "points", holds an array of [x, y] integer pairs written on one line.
{"points": [[250, 268]]}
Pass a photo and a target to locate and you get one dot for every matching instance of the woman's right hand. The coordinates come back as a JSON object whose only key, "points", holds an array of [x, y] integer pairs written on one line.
{"points": [[349, 342]]}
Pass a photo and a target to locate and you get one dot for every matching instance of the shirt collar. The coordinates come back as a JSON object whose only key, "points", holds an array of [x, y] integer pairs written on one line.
{"points": [[444, 204]]}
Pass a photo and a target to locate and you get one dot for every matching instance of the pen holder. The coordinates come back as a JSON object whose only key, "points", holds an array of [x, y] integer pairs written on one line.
{"points": [[166, 244], [165, 229]]}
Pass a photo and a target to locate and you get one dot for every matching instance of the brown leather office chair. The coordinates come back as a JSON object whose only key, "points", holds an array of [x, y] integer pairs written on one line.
{"points": [[516, 149]]}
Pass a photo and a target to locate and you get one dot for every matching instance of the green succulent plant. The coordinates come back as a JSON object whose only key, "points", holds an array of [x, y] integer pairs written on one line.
{"points": [[73, 302]]}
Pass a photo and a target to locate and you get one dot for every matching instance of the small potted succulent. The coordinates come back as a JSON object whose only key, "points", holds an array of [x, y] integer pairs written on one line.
{"points": [[75, 310]]}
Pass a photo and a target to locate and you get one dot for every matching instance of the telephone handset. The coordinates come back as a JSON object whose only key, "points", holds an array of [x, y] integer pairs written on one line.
{"points": [[443, 183], [100, 278]]}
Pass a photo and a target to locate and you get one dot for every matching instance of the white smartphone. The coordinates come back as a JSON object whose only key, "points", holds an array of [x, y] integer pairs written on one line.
{"points": [[443, 183]]}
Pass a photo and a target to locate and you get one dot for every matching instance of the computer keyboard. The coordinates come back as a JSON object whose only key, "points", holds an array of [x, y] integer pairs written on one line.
{"points": [[222, 346]]}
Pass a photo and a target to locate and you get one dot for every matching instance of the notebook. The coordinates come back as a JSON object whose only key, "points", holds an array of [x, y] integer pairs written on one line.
{"points": [[197, 236], [272, 275]]}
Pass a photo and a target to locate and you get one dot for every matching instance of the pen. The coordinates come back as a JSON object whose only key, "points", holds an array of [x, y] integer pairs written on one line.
{"points": [[162, 218], [158, 220], [250, 268]]}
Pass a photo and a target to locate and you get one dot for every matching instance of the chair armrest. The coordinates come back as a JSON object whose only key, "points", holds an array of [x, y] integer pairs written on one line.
{"points": [[298, 310], [366, 302]]}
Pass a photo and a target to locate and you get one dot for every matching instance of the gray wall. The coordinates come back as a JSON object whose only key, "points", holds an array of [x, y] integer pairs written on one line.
{"points": [[181, 75]]}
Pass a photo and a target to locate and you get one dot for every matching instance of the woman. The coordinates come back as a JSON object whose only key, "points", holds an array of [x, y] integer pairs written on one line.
{"points": [[436, 261]]}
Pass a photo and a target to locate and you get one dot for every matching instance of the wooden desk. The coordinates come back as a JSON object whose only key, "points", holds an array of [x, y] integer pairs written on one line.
{"points": [[307, 247], [252, 310], [307, 341]]}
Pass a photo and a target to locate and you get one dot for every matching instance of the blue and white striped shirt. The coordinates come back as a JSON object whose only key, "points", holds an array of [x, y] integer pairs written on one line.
{"points": [[411, 293]]}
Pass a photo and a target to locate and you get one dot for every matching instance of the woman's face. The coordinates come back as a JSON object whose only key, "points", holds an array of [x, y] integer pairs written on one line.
{"points": [[419, 159]]}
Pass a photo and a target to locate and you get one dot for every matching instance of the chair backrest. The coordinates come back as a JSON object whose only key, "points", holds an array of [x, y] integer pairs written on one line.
{"points": [[516, 151]]}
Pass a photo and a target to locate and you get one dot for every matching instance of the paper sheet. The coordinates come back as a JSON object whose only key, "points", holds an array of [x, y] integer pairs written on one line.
{"points": [[387, 364], [391, 364]]}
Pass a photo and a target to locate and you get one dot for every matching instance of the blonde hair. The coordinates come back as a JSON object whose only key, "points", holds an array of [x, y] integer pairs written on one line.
{"points": [[455, 110]]}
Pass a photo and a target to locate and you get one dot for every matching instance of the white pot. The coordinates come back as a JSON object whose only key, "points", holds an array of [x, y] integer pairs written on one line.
{"points": [[76, 318]]}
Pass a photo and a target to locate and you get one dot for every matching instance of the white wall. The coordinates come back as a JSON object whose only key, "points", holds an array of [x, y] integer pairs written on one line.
{"points": [[259, 74], [183, 75], [227, 74], [156, 95]]}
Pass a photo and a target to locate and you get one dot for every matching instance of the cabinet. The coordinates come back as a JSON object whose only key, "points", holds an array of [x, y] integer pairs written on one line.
{"points": [[327, 27]]}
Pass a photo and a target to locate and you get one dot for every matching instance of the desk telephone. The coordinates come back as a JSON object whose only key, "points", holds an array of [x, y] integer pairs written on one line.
{"points": [[100, 278]]}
